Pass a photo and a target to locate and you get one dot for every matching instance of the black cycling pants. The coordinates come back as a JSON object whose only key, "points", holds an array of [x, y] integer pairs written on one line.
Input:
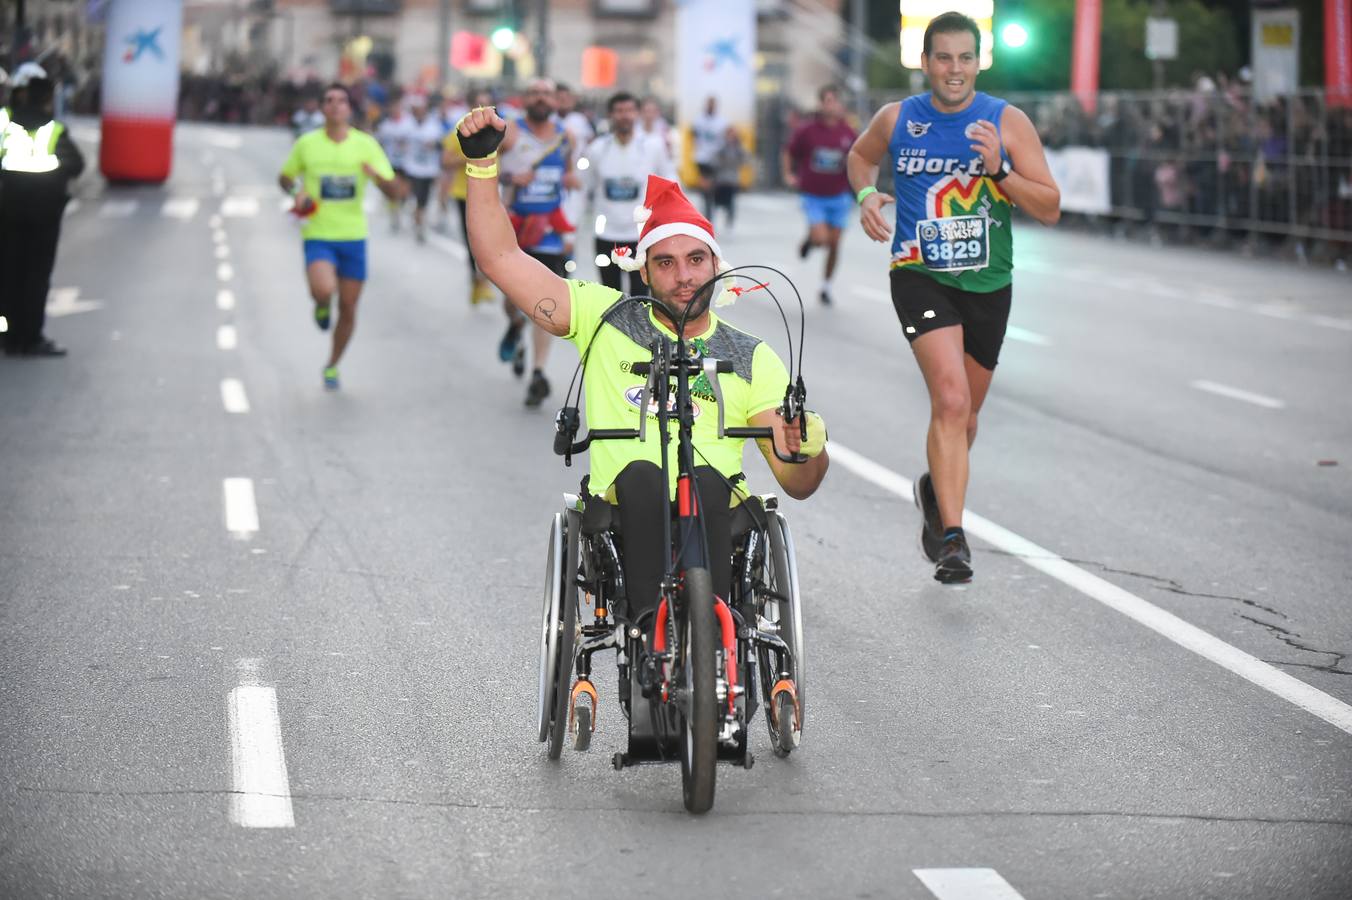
{"points": [[638, 490]]}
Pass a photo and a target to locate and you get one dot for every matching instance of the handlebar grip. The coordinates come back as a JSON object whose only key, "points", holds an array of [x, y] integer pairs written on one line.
{"points": [[612, 434], [725, 367], [749, 432], [641, 368]]}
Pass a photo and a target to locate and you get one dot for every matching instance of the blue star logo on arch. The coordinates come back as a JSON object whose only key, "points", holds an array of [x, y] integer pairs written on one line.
{"points": [[722, 51], [141, 42]]}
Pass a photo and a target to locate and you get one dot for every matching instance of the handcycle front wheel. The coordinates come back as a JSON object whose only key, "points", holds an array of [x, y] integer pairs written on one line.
{"points": [[695, 663]]}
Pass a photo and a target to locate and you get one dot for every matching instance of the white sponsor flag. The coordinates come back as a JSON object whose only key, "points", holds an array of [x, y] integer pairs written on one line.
{"points": [[715, 57]]}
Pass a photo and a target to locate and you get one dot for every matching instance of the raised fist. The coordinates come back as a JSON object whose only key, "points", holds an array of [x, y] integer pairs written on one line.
{"points": [[481, 130]]}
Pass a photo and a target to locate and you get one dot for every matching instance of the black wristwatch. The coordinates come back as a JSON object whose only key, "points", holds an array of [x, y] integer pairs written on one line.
{"points": [[1005, 169]]}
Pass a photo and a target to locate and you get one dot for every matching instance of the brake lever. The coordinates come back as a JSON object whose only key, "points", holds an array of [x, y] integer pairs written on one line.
{"points": [[566, 423]]}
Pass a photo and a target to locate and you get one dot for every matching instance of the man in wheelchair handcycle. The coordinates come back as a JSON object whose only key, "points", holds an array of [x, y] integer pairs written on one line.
{"points": [[684, 573]]}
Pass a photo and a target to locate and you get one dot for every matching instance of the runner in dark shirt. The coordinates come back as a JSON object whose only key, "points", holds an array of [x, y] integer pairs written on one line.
{"points": [[814, 164]]}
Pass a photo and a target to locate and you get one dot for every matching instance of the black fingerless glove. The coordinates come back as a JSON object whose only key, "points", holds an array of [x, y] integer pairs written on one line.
{"points": [[481, 144]]}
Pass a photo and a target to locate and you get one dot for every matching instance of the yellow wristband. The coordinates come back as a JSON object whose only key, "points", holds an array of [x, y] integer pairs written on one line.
{"points": [[816, 436], [474, 171]]}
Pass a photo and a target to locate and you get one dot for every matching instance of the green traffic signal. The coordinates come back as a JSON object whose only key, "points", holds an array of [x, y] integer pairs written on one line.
{"points": [[503, 37], [1014, 35]]}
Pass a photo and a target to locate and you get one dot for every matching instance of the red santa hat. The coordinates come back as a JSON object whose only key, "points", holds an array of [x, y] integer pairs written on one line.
{"points": [[666, 212]]}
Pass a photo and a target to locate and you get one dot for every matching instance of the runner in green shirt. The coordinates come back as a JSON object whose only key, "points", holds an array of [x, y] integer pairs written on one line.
{"points": [[675, 255], [327, 172]]}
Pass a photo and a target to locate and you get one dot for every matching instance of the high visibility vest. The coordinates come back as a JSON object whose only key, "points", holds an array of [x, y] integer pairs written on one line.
{"points": [[32, 152]]}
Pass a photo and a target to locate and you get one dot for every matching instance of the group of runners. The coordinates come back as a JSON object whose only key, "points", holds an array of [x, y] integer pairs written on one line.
{"points": [[960, 161]]}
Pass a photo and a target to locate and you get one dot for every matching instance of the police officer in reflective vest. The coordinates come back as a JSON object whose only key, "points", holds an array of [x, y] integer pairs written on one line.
{"points": [[38, 160]]}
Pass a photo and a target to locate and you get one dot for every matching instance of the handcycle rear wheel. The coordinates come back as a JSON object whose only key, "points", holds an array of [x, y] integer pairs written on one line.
{"points": [[695, 665], [567, 633], [782, 571]]}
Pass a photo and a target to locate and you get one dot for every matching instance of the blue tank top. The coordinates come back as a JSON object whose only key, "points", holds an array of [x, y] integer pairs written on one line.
{"points": [[544, 194], [938, 176]]}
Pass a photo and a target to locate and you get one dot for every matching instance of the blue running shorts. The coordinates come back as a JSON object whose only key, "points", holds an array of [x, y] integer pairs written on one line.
{"points": [[347, 257], [834, 211]]}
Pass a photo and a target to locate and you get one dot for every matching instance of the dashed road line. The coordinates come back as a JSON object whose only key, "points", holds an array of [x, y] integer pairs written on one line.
{"points": [[233, 396], [181, 208], [118, 209], [222, 251], [1015, 333], [1166, 624], [448, 246], [261, 796], [226, 337], [225, 271], [1234, 393], [967, 884], [241, 511], [236, 207], [225, 300]]}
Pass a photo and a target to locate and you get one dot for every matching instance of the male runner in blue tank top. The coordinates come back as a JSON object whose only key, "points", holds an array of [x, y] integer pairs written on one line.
{"points": [[961, 160]]}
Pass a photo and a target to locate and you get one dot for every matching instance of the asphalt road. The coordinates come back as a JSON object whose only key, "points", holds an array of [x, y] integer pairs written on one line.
{"points": [[1145, 692]]}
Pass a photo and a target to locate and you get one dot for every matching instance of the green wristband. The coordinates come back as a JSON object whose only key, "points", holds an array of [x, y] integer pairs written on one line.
{"points": [[859, 197]]}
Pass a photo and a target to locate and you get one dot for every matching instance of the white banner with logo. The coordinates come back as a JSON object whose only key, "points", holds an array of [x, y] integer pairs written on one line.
{"points": [[140, 59], [1276, 53], [1082, 175], [715, 57]]}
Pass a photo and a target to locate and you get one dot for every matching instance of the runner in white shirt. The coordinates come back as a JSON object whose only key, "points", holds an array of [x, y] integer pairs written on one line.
{"points": [[652, 125], [580, 127], [618, 166], [708, 132], [422, 162], [393, 133]]}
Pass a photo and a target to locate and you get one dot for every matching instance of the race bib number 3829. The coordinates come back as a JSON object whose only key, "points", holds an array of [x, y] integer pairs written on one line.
{"points": [[954, 244]]}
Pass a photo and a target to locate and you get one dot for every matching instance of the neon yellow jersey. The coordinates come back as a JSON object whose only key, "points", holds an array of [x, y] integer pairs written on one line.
{"points": [[459, 179], [614, 393], [333, 176]]}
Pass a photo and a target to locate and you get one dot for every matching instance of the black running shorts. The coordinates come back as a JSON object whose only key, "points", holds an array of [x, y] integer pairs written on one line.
{"points": [[422, 189], [924, 305]]}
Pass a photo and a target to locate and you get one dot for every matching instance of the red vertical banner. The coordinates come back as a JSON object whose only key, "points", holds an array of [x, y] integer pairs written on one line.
{"points": [[1084, 59], [1338, 51]]}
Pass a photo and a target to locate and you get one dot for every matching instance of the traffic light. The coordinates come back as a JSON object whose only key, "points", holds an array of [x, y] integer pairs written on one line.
{"points": [[503, 37], [1014, 35]]}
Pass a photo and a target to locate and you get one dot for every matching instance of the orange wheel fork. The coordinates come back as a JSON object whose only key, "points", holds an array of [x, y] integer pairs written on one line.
{"points": [[582, 686], [786, 684]]}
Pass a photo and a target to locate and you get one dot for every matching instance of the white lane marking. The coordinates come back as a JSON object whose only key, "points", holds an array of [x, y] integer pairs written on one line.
{"points": [[225, 271], [65, 301], [117, 209], [241, 512], [1167, 625], [226, 337], [1235, 393], [1332, 322], [4, 325], [967, 884], [261, 795], [226, 140], [214, 221], [218, 236], [239, 207], [222, 251], [872, 293], [448, 246], [1015, 333], [225, 300], [233, 396], [182, 208]]}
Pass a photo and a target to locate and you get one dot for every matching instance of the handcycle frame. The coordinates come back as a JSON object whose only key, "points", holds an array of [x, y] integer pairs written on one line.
{"points": [[696, 668]]}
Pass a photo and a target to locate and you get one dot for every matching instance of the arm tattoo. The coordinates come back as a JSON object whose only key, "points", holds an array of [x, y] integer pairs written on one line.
{"points": [[544, 311]]}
